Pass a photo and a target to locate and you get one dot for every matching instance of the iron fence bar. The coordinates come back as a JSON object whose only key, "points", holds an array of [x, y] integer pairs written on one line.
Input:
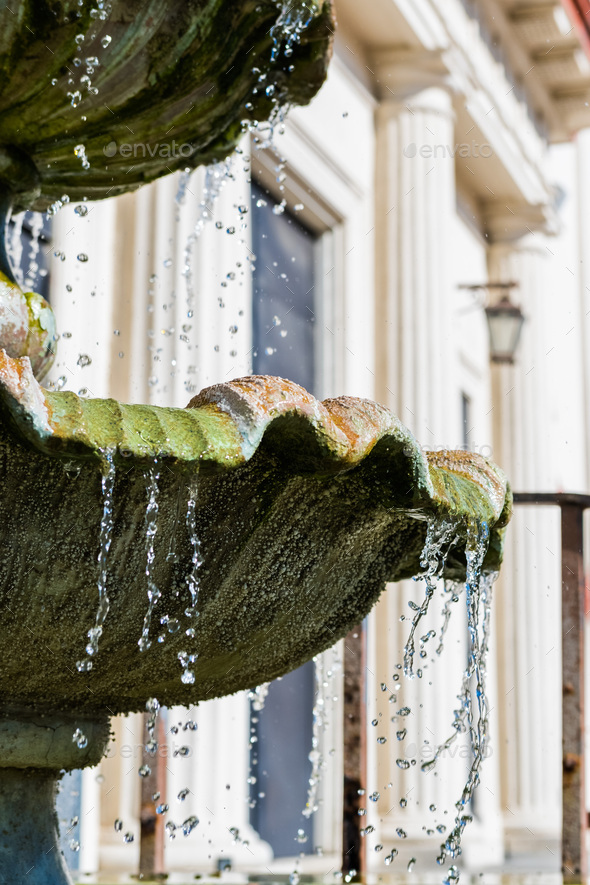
{"points": [[574, 859]]}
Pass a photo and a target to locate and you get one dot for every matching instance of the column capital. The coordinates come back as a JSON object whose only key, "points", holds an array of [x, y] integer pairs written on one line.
{"points": [[508, 221], [404, 73]]}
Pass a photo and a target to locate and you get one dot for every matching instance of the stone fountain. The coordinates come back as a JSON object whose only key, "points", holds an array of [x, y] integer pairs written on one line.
{"points": [[182, 554]]}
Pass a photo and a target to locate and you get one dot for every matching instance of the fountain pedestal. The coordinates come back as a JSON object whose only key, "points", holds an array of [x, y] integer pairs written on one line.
{"points": [[35, 751]]}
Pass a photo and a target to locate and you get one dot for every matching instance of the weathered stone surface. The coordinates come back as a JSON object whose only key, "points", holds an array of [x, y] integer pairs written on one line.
{"points": [[304, 510], [27, 326], [29, 850], [173, 83]]}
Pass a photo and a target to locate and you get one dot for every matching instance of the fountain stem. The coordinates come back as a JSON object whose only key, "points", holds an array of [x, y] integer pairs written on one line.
{"points": [[29, 850], [5, 212]]}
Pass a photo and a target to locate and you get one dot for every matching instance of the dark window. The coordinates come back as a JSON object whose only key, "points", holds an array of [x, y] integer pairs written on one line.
{"points": [[284, 344], [283, 312]]}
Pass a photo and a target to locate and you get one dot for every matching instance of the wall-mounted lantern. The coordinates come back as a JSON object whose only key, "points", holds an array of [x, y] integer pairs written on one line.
{"points": [[505, 320]]}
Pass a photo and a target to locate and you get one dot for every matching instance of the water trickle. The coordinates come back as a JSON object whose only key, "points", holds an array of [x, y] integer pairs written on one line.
{"points": [[105, 539], [193, 581], [151, 523], [152, 706], [323, 683]]}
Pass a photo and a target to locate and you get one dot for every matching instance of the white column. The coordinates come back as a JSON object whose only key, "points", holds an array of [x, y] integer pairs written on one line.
{"points": [[416, 204], [528, 592]]}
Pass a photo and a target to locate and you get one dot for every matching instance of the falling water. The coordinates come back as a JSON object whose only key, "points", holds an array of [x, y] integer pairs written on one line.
{"points": [[193, 580], [106, 535], [258, 696], [440, 535], [193, 584], [478, 590], [152, 706], [316, 757], [216, 176], [15, 247], [151, 522], [452, 593], [324, 679], [471, 717]]}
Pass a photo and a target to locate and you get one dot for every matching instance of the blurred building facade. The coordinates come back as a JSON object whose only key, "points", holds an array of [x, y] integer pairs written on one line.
{"points": [[447, 150]]}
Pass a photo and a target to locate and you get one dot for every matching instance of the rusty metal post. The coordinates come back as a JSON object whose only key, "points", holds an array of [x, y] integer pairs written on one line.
{"points": [[151, 844], [573, 854], [574, 861], [353, 848]]}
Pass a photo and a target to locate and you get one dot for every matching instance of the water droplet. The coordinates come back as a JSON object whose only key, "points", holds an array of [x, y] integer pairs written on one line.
{"points": [[401, 833], [189, 825], [118, 825], [81, 211], [128, 837], [105, 41], [183, 794], [144, 771], [80, 739], [411, 864], [84, 360], [83, 257], [162, 808]]}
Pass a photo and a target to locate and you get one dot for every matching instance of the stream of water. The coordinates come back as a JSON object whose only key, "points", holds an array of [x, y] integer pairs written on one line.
{"points": [[105, 539], [151, 527]]}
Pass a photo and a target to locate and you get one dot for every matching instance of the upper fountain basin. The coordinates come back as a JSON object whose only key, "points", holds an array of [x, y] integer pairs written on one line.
{"points": [[303, 509], [146, 88]]}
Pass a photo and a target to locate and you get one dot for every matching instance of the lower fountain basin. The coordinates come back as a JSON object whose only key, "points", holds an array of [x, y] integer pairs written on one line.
{"points": [[303, 511]]}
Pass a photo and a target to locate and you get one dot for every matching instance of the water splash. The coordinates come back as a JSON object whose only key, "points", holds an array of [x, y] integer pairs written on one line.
{"points": [[293, 19], [151, 523], [106, 536]]}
